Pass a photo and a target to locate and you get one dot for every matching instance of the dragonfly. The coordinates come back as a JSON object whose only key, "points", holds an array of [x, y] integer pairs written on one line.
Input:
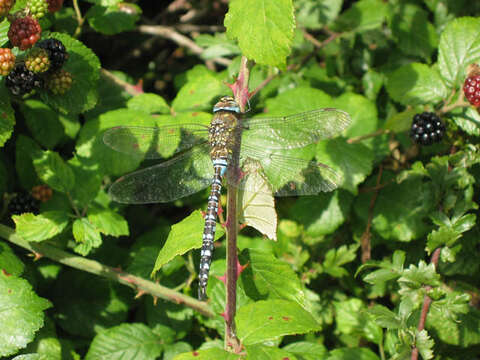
{"points": [[202, 156]]}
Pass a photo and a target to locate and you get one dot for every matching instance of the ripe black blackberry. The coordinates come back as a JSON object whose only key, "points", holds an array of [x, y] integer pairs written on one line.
{"points": [[427, 128], [22, 81], [56, 52], [22, 203]]}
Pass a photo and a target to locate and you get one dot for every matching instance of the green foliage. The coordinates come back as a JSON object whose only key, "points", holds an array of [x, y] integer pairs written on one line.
{"points": [[384, 266]]}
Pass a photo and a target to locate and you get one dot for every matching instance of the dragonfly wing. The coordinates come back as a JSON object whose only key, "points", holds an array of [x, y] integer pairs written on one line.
{"points": [[180, 176], [288, 176], [294, 131], [155, 142]]}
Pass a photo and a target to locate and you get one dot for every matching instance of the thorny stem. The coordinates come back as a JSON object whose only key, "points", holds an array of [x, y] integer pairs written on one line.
{"points": [[460, 102], [94, 267], [240, 90], [427, 301]]}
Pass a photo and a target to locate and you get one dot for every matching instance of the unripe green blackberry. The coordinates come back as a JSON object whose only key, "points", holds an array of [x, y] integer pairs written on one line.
{"points": [[59, 82], [37, 60], [7, 61], [5, 6], [37, 8], [22, 203]]}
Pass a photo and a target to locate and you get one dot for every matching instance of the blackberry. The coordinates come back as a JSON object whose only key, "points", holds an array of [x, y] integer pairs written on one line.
{"points": [[21, 81], [54, 5], [37, 60], [7, 61], [56, 52], [471, 89], [22, 203], [427, 128], [59, 82], [37, 8], [24, 32], [5, 6]]}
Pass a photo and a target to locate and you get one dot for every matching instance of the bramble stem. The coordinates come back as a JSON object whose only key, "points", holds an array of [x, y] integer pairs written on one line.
{"points": [[94, 267]]}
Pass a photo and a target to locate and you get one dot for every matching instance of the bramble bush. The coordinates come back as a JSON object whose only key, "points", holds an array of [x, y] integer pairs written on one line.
{"points": [[384, 267]]}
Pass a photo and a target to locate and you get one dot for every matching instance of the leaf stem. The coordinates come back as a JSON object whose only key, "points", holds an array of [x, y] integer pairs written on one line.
{"points": [[94, 267], [80, 19]]}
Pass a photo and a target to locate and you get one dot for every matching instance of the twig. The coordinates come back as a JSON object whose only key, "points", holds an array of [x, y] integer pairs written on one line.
{"points": [[129, 88], [80, 19], [320, 44], [182, 40], [427, 301], [357, 139], [94, 267], [459, 103]]}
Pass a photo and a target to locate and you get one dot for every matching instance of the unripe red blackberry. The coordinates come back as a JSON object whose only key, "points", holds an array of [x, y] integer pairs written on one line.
{"points": [[471, 89], [22, 81], [56, 52], [22, 203], [5, 6], [24, 32], [37, 8], [37, 60], [42, 193], [54, 5], [7, 61], [59, 82], [427, 128]]}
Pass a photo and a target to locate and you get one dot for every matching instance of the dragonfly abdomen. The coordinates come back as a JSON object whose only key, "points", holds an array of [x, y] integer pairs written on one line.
{"points": [[220, 166]]}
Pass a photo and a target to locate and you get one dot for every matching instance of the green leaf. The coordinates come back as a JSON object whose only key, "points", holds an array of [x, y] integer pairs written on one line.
{"points": [[468, 120], [352, 354], [32, 357], [208, 354], [84, 66], [415, 278], [184, 236], [257, 206], [87, 235], [316, 14], [25, 150], [385, 317], [126, 341], [21, 313], [362, 16], [459, 47], [322, 214], [40, 227], [197, 93], [264, 30], [216, 46], [43, 122], [108, 222], [4, 26], [424, 344], [268, 277], [307, 350], [266, 320], [9, 262], [416, 83], [149, 103], [443, 236], [113, 19], [86, 173], [414, 33], [53, 171], [362, 111], [7, 116], [261, 351], [335, 258]]}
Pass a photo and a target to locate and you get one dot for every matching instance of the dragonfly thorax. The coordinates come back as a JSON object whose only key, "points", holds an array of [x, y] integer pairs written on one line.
{"points": [[226, 103], [221, 134]]}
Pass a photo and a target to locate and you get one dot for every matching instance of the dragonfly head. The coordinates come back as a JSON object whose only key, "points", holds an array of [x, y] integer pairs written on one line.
{"points": [[226, 103]]}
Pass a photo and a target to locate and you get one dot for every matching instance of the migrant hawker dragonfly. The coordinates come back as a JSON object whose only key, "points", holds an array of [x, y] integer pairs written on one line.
{"points": [[204, 153]]}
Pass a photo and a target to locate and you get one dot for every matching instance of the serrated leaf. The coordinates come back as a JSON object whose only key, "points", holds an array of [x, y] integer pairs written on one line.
{"points": [[87, 235], [184, 236], [424, 344], [317, 14], [40, 227], [7, 116], [10, 262], [257, 206], [267, 320], [468, 120], [443, 236], [4, 26], [307, 350], [21, 313], [114, 18], [269, 277], [363, 15], [265, 352], [31, 357], [352, 354], [459, 47], [385, 317], [208, 354], [25, 150], [264, 30], [86, 173], [414, 33], [126, 341], [84, 66], [416, 83], [108, 222], [53, 171], [149, 103], [335, 258], [414, 279], [43, 122]]}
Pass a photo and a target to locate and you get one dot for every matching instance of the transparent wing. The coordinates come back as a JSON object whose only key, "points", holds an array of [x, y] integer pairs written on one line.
{"points": [[180, 176], [155, 142], [294, 131], [288, 176]]}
